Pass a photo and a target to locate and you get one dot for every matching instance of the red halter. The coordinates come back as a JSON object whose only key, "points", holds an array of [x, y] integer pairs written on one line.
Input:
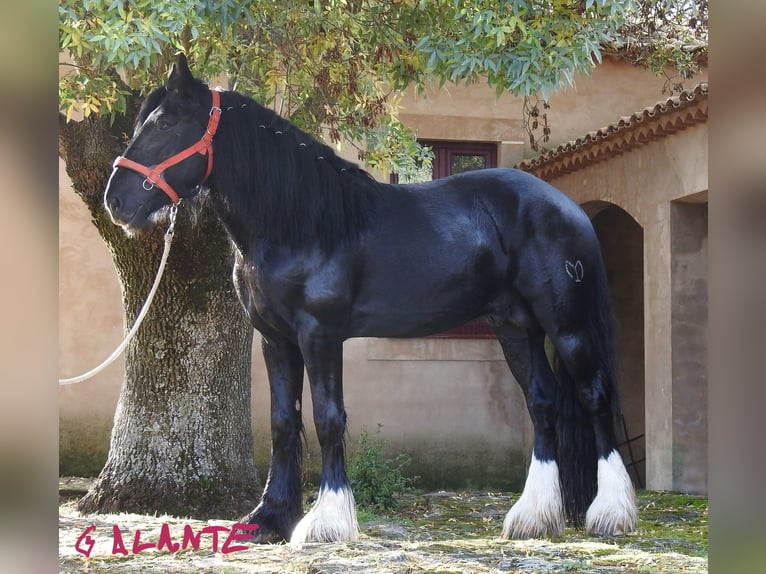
{"points": [[204, 146]]}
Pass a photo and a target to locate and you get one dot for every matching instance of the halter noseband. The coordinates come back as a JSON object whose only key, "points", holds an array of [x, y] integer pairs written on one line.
{"points": [[204, 147]]}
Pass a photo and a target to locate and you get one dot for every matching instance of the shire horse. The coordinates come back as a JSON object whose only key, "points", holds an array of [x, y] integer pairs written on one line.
{"points": [[324, 253]]}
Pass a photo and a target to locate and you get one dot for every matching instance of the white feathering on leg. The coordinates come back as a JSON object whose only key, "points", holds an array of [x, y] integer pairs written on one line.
{"points": [[613, 511], [331, 519], [540, 511]]}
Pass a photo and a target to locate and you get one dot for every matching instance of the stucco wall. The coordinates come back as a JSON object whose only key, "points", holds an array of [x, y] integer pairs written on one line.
{"points": [[690, 335], [452, 404], [465, 113], [90, 328]]}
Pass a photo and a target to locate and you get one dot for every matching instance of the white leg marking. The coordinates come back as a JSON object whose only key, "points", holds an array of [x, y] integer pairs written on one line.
{"points": [[614, 510], [331, 519], [539, 512]]}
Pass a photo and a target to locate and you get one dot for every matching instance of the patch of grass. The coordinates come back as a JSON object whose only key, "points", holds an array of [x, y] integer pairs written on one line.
{"points": [[673, 521], [363, 515]]}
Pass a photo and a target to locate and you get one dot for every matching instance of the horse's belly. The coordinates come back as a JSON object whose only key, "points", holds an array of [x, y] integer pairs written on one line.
{"points": [[408, 325], [419, 302]]}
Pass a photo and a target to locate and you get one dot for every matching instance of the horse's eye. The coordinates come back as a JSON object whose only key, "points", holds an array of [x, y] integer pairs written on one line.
{"points": [[165, 121]]}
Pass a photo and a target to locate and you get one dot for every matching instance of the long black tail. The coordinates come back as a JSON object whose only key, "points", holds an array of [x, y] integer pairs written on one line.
{"points": [[577, 455]]}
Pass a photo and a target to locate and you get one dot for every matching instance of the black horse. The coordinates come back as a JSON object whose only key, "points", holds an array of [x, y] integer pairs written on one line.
{"points": [[324, 253]]}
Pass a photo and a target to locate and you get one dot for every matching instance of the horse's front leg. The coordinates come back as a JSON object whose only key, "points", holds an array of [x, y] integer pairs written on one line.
{"points": [[280, 507], [333, 516]]}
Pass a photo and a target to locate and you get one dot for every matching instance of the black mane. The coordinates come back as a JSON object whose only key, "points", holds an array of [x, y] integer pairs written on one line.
{"points": [[282, 183]]}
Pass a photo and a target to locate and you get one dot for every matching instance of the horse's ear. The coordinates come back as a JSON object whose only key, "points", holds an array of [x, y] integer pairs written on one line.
{"points": [[180, 76]]}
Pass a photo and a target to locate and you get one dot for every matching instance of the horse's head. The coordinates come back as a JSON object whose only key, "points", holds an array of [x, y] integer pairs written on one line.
{"points": [[170, 153]]}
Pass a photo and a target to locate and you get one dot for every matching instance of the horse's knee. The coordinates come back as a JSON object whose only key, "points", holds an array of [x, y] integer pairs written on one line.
{"points": [[284, 425], [330, 424]]}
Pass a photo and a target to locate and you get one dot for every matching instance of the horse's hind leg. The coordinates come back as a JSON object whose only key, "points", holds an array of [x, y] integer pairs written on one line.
{"points": [[280, 506], [613, 511], [539, 512], [333, 516]]}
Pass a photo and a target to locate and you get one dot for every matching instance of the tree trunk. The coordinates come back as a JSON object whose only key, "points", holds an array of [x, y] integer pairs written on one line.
{"points": [[181, 442]]}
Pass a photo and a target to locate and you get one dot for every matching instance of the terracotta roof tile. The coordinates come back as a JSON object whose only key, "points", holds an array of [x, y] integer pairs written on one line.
{"points": [[629, 132]]}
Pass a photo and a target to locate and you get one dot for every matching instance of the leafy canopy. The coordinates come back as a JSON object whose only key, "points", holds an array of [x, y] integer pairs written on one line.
{"points": [[661, 31], [334, 67]]}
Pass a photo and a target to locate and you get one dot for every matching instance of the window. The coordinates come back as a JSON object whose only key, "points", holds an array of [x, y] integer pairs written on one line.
{"points": [[451, 158], [456, 157]]}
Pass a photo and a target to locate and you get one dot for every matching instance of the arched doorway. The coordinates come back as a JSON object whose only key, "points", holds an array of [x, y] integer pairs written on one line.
{"points": [[622, 240]]}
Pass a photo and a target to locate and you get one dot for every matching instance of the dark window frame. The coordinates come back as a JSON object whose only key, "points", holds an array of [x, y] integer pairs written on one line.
{"points": [[445, 150]]}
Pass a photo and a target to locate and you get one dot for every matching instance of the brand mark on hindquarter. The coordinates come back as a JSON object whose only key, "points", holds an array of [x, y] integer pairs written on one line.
{"points": [[574, 270]]}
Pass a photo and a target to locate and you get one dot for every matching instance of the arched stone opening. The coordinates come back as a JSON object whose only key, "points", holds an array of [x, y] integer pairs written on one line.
{"points": [[622, 240]]}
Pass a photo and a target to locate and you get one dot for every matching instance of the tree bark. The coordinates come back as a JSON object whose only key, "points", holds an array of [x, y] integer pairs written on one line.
{"points": [[181, 442]]}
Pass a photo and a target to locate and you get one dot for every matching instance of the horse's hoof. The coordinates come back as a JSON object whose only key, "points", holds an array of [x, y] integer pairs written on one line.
{"points": [[331, 519], [266, 536], [613, 512], [273, 527], [522, 523], [608, 521], [259, 535], [539, 512]]}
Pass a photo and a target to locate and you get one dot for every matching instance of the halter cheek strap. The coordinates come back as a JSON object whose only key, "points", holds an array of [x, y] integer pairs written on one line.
{"points": [[204, 147]]}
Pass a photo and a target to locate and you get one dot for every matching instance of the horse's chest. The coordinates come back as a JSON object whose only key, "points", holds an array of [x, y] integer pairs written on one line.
{"points": [[263, 291], [283, 294]]}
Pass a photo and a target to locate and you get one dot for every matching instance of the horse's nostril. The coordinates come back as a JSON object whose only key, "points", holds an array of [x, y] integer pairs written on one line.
{"points": [[113, 203]]}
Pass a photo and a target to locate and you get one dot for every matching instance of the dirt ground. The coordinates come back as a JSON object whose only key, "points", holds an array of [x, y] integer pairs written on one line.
{"points": [[441, 532]]}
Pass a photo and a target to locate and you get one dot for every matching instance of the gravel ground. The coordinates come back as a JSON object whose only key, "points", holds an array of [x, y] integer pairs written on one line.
{"points": [[437, 532]]}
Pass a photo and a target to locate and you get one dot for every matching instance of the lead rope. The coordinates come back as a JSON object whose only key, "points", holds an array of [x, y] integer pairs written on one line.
{"points": [[168, 239]]}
